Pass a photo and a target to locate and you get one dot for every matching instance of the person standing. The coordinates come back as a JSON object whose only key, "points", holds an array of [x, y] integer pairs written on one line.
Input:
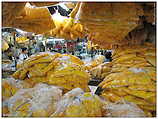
{"points": [[16, 52], [24, 55]]}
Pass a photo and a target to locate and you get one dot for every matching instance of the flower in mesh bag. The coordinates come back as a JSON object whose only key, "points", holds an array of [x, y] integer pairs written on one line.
{"points": [[34, 102], [123, 109]]}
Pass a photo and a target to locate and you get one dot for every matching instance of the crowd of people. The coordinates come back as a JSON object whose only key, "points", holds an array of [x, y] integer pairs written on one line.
{"points": [[75, 48]]}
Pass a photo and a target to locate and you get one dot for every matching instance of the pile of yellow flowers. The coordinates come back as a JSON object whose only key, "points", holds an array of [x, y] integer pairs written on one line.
{"points": [[62, 70], [131, 76]]}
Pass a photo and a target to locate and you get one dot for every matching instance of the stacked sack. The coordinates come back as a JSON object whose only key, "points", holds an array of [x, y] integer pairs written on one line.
{"points": [[95, 62], [111, 26], [22, 39], [101, 71], [34, 102], [122, 109], [47, 101], [142, 56], [5, 45], [132, 77], [9, 87], [62, 70], [77, 103]]}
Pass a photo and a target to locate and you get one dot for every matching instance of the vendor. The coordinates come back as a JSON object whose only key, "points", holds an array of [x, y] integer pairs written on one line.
{"points": [[23, 55]]}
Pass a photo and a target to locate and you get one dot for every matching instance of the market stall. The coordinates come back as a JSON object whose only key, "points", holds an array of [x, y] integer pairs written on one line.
{"points": [[85, 59]]}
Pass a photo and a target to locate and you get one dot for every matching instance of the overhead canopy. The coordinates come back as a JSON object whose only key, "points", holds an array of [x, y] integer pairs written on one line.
{"points": [[26, 17], [10, 10], [8, 29], [41, 4], [30, 17], [109, 23], [70, 5]]}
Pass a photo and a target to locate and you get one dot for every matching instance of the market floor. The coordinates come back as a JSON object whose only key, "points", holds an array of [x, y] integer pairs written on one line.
{"points": [[93, 88]]}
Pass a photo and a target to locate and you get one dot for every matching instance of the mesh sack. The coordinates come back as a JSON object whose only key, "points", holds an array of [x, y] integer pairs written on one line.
{"points": [[5, 110], [63, 70], [34, 102], [10, 86], [101, 71], [123, 109], [69, 73], [97, 61], [76, 103], [133, 85]]}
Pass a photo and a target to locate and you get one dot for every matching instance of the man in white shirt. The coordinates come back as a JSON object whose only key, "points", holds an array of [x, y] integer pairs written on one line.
{"points": [[23, 55]]}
